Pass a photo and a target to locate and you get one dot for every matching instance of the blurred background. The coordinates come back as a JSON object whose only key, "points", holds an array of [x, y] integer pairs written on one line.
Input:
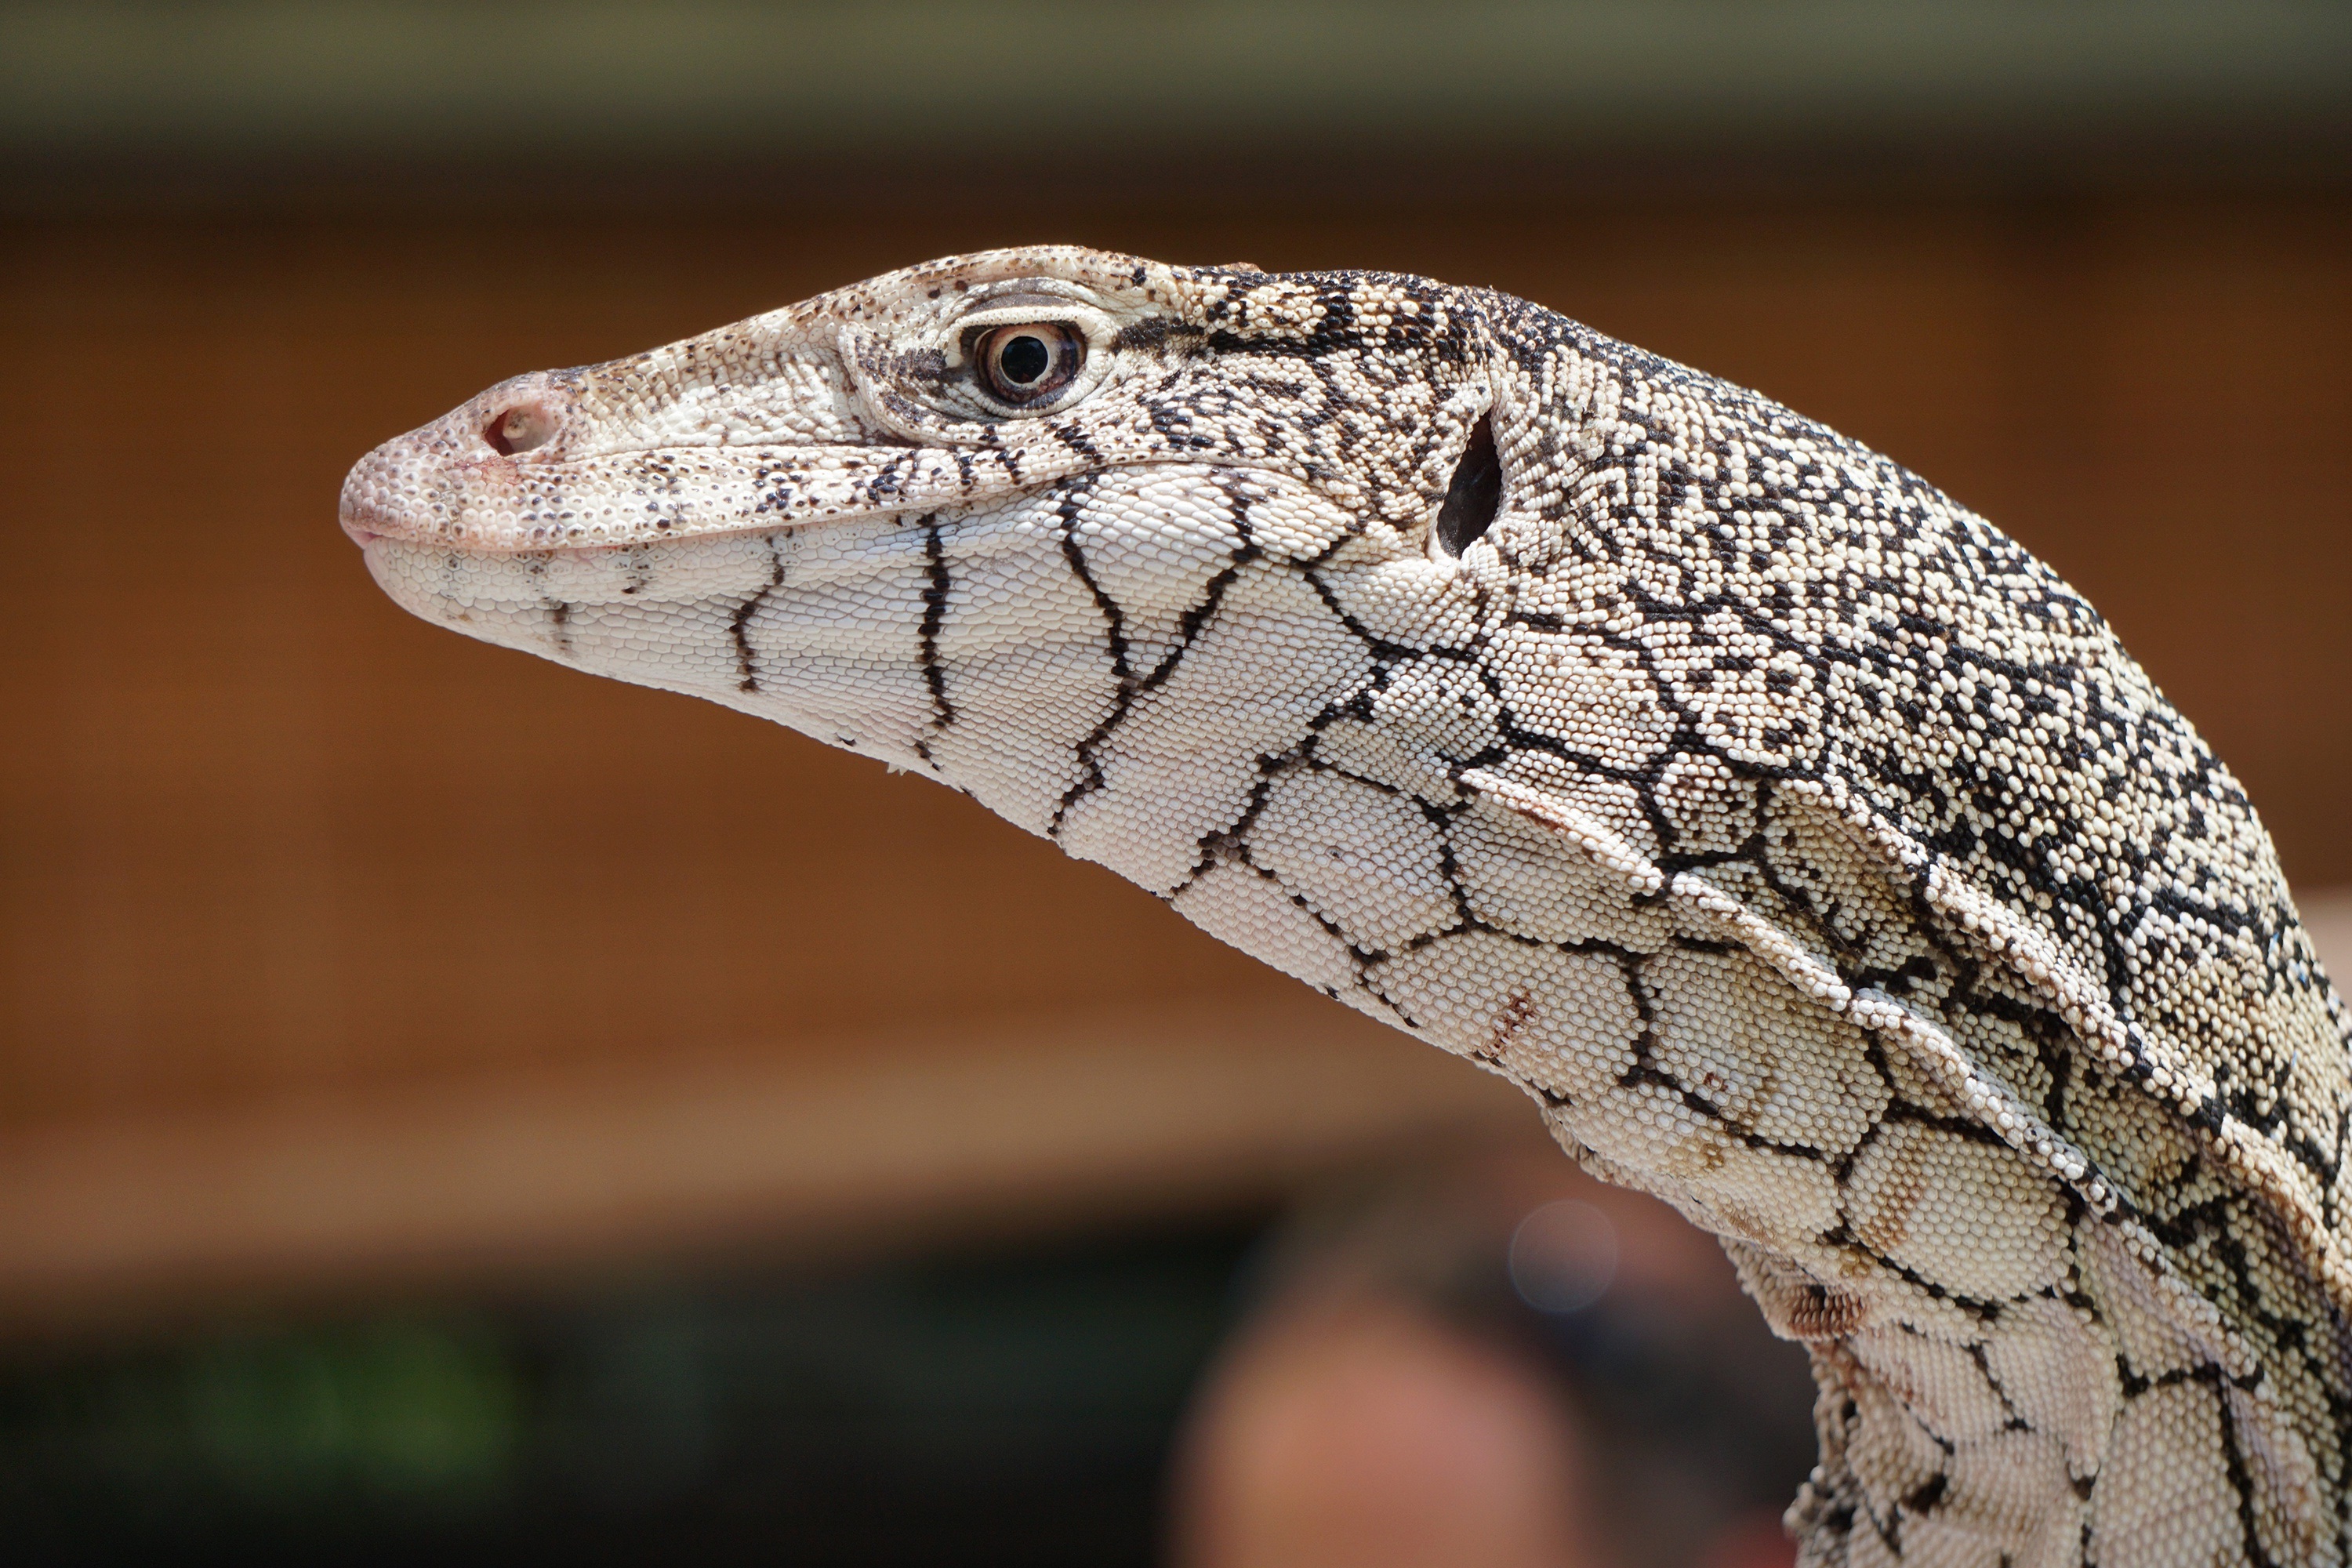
{"points": [[449, 1106]]}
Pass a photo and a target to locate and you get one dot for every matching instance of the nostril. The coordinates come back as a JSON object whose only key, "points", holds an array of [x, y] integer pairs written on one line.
{"points": [[520, 429]]}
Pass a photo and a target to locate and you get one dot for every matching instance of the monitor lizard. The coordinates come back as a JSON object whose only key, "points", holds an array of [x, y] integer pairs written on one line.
{"points": [[1813, 854]]}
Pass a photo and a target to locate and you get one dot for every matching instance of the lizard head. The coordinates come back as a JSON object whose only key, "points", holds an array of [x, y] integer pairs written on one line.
{"points": [[1051, 524]]}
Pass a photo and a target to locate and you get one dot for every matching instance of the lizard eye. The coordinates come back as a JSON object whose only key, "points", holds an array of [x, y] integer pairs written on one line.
{"points": [[1030, 363]]}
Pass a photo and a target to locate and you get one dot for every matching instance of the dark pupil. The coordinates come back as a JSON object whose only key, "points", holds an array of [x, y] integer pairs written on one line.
{"points": [[1024, 359]]}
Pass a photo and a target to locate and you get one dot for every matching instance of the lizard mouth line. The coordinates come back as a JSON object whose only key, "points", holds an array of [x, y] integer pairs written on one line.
{"points": [[740, 509], [368, 527]]}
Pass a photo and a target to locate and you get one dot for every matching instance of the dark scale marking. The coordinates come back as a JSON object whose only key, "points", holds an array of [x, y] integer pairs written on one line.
{"points": [[927, 638], [1129, 686], [640, 571], [746, 670]]}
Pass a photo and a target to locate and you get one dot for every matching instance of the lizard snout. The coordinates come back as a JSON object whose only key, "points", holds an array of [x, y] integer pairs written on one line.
{"points": [[449, 480]]}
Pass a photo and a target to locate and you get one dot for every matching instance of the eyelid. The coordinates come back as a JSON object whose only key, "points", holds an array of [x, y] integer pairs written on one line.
{"points": [[1036, 300], [1071, 314], [1082, 321]]}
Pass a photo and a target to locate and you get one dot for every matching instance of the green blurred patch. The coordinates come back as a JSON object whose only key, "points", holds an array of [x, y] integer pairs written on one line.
{"points": [[401, 1407], [411, 1410]]}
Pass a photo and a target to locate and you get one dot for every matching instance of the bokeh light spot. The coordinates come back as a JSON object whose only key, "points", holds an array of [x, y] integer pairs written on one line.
{"points": [[1563, 1255]]}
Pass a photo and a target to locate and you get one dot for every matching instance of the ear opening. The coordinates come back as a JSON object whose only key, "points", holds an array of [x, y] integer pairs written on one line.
{"points": [[1475, 494]]}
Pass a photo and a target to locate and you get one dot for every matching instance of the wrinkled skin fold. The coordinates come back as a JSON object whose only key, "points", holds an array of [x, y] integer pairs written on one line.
{"points": [[1811, 855]]}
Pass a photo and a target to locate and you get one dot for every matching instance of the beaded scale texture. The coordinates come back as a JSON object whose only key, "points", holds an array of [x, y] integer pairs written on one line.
{"points": [[1812, 854]]}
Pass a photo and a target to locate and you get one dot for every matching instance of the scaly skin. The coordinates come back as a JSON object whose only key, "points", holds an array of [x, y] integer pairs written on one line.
{"points": [[1812, 854]]}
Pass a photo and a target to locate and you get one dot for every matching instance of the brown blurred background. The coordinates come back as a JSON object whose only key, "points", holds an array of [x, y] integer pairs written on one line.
{"points": [[361, 975]]}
